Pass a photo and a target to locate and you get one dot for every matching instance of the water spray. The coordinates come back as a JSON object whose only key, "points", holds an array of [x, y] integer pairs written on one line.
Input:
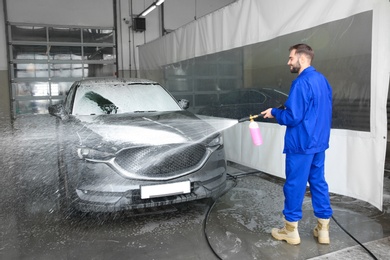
{"points": [[254, 129]]}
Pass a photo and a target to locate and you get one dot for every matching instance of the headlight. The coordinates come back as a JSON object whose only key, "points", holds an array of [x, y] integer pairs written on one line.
{"points": [[88, 153], [216, 141]]}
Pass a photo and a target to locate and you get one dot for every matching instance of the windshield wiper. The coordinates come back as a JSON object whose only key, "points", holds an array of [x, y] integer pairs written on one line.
{"points": [[144, 111], [109, 108], [106, 105]]}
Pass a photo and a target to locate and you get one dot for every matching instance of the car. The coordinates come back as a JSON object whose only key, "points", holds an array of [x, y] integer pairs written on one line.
{"points": [[127, 144], [241, 103]]}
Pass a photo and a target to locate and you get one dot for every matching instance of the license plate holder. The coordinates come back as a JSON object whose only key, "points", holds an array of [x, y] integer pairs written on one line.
{"points": [[166, 189]]}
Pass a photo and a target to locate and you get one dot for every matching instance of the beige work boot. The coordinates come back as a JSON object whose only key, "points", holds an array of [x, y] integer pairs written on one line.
{"points": [[289, 233], [321, 231]]}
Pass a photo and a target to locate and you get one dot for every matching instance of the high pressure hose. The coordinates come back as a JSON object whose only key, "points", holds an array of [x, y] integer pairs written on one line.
{"points": [[235, 179], [209, 212]]}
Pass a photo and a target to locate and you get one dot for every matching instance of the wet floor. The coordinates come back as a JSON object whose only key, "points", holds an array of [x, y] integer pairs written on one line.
{"points": [[235, 226]]}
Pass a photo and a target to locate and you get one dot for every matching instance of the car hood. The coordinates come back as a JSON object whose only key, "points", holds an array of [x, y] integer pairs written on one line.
{"points": [[144, 128]]}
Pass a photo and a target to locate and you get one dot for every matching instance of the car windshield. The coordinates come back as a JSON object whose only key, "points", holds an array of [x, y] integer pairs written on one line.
{"points": [[122, 98]]}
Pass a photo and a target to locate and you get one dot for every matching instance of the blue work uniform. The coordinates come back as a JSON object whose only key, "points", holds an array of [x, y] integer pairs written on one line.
{"points": [[308, 117]]}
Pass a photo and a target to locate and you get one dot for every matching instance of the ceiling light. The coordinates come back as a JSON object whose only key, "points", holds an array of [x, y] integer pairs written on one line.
{"points": [[159, 2], [150, 8]]}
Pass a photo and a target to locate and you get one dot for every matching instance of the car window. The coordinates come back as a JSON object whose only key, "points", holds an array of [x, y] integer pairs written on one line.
{"points": [[229, 98], [252, 97], [122, 98]]}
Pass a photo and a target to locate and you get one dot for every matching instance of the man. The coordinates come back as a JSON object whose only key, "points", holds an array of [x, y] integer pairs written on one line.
{"points": [[307, 114]]}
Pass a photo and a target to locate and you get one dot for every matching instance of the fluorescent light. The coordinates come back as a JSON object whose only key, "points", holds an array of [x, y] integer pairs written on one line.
{"points": [[150, 8], [159, 2]]}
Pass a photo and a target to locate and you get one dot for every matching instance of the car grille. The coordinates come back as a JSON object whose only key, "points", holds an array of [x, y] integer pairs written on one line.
{"points": [[159, 161]]}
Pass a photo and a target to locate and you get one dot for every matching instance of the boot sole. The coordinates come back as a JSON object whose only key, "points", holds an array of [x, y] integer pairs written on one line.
{"points": [[321, 240], [291, 241], [324, 241]]}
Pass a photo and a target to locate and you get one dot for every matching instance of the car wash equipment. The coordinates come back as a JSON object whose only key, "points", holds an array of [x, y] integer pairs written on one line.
{"points": [[254, 129], [248, 118], [289, 233], [321, 231], [255, 133]]}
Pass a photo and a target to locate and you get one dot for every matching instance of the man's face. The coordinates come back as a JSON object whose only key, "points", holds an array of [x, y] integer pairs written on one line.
{"points": [[293, 62]]}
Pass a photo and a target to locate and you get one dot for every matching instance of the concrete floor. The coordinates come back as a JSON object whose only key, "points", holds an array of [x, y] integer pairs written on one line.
{"points": [[235, 226]]}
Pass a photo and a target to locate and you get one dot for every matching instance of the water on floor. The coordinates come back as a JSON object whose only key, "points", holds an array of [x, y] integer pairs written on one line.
{"points": [[235, 226]]}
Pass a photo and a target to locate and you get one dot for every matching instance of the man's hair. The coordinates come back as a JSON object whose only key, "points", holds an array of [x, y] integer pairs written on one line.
{"points": [[302, 48]]}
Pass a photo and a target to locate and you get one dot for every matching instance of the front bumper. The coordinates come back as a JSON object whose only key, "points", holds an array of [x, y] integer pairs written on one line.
{"points": [[111, 202], [103, 190]]}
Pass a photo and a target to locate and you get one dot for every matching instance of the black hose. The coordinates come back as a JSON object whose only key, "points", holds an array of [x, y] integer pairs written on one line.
{"points": [[209, 211], [244, 174], [365, 248]]}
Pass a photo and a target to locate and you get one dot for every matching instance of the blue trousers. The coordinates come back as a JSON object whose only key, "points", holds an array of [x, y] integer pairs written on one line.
{"points": [[300, 170]]}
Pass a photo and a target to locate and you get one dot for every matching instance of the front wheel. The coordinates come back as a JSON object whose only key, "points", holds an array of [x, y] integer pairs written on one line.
{"points": [[67, 179]]}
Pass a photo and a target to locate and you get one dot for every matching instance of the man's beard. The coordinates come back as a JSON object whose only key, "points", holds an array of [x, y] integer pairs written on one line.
{"points": [[295, 67]]}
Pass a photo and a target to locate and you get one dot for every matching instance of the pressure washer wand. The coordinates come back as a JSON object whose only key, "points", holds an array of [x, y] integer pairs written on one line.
{"points": [[248, 118]]}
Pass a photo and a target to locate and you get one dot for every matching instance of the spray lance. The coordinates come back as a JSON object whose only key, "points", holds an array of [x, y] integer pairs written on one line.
{"points": [[253, 128]]}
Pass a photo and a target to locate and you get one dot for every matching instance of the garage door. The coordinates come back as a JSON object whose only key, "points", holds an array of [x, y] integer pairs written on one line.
{"points": [[45, 60]]}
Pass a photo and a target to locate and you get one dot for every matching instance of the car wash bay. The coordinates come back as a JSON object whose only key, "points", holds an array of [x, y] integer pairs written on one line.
{"points": [[235, 226]]}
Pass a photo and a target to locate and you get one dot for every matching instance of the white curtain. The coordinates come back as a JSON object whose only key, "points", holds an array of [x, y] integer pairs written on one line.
{"points": [[355, 159]]}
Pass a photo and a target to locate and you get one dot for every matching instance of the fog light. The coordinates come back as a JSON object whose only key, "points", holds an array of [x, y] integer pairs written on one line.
{"points": [[82, 152], [87, 153]]}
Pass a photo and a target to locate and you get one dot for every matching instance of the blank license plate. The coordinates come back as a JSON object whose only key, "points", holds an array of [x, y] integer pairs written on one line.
{"points": [[161, 190]]}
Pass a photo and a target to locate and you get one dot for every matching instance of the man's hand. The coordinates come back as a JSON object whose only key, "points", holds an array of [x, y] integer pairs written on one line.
{"points": [[267, 113]]}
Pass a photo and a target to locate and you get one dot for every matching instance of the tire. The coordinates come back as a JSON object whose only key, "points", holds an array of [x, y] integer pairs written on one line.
{"points": [[67, 167]]}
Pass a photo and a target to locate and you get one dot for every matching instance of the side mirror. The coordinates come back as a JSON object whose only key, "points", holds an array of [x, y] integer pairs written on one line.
{"points": [[58, 111], [184, 103]]}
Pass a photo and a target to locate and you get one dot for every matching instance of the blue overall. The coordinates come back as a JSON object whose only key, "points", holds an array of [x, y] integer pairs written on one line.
{"points": [[308, 117]]}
